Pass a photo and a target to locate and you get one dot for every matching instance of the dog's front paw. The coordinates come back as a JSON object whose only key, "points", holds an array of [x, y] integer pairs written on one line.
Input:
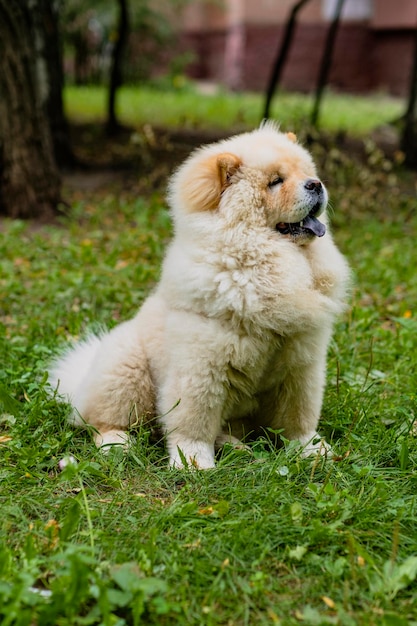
{"points": [[189, 454], [314, 444]]}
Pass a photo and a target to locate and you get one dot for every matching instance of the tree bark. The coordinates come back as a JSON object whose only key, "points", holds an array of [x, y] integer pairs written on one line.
{"points": [[409, 136], [52, 53], [116, 67], [29, 180], [282, 56]]}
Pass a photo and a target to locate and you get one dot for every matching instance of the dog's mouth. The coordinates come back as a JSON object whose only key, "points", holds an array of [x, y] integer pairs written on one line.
{"points": [[310, 226]]}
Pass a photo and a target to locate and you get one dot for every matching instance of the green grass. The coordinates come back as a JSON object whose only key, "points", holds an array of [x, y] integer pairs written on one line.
{"points": [[224, 111], [265, 538]]}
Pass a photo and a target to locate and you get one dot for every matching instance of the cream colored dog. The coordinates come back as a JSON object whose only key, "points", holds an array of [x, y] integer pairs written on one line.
{"points": [[234, 338]]}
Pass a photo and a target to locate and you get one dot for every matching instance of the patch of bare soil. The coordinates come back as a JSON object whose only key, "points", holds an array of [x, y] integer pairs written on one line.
{"points": [[136, 160]]}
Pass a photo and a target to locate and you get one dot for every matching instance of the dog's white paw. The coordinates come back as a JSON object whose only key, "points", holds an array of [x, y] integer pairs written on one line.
{"points": [[192, 455], [111, 438], [314, 444]]}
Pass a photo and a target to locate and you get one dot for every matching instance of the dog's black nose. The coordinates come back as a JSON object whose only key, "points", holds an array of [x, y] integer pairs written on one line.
{"points": [[312, 184]]}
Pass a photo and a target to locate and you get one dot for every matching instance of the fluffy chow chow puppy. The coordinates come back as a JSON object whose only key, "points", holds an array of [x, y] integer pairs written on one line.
{"points": [[234, 338]]}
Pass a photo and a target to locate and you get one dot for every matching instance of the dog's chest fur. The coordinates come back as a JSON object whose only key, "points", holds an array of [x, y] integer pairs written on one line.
{"points": [[236, 275], [227, 287]]}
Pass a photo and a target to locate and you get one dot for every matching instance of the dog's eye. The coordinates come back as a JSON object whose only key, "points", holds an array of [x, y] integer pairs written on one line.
{"points": [[277, 181]]}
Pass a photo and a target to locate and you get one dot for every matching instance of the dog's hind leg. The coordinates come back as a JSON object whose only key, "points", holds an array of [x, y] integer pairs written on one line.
{"points": [[114, 390], [227, 439]]}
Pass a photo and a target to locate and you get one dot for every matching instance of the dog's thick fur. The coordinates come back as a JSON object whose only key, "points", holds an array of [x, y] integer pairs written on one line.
{"points": [[234, 338]]}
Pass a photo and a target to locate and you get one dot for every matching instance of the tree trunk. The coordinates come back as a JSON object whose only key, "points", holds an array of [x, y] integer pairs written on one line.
{"points": [[282, 56], [116, 67], [52, 53], [326, 62], [29, 180], [409, 137]]}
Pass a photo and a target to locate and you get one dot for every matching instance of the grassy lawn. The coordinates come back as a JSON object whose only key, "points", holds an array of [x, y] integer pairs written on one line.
{"points": [[265, 538], [190, 108]]}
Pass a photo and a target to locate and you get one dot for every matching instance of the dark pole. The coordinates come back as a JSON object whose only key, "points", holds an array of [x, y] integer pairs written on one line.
{"points": [[409, 137], [281, 56], [326, 61], [116, 69]]}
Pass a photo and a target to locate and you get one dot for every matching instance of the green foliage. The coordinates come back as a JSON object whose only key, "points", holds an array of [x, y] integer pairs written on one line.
{"points": [[89, 32], [265, 538]]}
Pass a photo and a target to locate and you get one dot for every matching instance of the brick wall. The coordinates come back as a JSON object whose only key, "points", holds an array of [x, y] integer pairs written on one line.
{"points": [[364, 60]]}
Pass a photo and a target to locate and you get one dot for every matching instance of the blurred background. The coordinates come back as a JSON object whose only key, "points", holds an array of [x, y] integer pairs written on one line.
{"points": [[135, 67]]}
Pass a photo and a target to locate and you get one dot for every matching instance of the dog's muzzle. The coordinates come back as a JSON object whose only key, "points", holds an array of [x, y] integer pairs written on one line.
{"points": [[309, 225]]}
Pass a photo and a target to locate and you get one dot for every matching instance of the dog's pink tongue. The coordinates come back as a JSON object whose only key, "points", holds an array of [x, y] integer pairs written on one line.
{"points": [[312, 224]]}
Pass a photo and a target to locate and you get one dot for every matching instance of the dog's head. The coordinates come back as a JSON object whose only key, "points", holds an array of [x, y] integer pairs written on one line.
{"points": [[262, 178]]}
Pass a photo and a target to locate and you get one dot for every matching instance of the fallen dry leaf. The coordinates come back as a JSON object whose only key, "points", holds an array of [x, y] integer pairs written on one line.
{"points": [[328, 602], [208, 510]]}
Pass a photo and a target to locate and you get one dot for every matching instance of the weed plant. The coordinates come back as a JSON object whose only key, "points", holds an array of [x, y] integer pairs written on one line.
{"points": [[264, 538]]}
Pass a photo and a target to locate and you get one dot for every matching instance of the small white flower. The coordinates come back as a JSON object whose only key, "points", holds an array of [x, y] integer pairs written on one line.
{"points": [[67, 460], [45, 593]]}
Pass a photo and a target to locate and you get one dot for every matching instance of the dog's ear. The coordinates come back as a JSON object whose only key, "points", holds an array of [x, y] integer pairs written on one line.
{"points": [[292, 137], [227, 165], [207, 180]]}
